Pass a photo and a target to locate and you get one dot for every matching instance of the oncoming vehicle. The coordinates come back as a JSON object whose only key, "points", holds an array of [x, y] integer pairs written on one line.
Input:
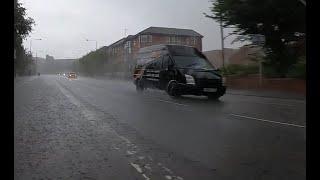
{"points": [[72, 75], [179, 70]]}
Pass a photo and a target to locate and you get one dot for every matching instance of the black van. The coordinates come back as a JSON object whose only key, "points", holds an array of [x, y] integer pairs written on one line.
{"points": [[177, 69]]}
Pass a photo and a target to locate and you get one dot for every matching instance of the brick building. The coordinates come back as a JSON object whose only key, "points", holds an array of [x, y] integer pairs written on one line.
{"points": [[122, 53]]}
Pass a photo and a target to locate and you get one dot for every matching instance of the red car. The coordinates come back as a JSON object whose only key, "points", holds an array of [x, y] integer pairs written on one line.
{"points": [[72, 75]]}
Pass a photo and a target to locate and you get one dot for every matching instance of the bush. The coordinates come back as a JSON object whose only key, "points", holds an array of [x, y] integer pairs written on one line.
{"points": [[92, 63], [270, 72], [236, 69], [298, 70]]}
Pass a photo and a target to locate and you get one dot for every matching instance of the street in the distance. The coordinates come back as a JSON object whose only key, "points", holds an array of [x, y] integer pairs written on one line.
{"points": [[103, 129]]}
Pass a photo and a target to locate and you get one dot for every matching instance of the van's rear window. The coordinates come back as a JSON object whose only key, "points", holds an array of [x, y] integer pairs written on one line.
{"points": [[182, 51]]}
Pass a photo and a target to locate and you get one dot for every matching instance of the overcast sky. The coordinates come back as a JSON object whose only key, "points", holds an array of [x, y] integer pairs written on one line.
{"points": [[64, 25]]}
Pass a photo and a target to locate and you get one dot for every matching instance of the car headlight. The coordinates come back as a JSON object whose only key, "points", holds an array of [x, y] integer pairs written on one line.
{"points": [[189, 79]]}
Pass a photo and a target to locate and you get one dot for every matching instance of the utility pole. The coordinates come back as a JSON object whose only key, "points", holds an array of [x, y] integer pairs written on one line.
{"points": [[125, 32], [31, 43], [36, 62], [222, 41], [95, 41], [259, 40]]}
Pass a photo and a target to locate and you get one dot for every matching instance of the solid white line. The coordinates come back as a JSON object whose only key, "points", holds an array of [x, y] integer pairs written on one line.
{"points": [[172, 102], [137, 167], [264, 120], [146, 177]]}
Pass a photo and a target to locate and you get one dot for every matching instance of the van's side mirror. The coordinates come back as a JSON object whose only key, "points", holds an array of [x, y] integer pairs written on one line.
{"points": [[170, 66]]}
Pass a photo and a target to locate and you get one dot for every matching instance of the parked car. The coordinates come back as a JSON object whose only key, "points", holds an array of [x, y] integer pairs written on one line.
{"points": [[177, 69]]}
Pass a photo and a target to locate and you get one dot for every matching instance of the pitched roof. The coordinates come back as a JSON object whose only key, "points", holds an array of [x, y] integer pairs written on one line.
{"points": [[170, 31]]}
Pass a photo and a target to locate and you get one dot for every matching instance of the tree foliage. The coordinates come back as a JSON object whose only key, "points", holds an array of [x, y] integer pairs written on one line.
{"points": [[22, 27], [92, 63], [282, 22], [22, 24]]}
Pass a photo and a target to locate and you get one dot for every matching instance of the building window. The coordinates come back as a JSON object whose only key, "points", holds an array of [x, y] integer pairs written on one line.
{"points": [[145, 38], [127, 46], [174, 39], [193, 40]]}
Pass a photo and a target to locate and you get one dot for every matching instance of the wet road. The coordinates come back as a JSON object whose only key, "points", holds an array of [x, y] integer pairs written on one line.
{"points": [[102, 129]]}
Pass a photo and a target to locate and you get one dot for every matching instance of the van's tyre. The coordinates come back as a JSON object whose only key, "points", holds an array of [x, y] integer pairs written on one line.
{"points": [[172, 89], [213, 96]]}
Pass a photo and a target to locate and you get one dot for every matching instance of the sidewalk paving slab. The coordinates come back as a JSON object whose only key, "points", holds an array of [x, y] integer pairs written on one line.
{"points": [[266, 93]]}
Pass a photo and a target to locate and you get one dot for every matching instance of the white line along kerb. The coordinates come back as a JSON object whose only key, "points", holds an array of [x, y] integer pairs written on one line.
{"points": [[172, 102], [264, 120]]}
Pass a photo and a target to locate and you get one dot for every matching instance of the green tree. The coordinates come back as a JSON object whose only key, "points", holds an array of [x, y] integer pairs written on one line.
{"points": [[22, 27], [93, 63], [282, 22]]}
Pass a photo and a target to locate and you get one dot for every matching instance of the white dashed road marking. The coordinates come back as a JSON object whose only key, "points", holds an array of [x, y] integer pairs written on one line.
{"points": [[269, 121]]}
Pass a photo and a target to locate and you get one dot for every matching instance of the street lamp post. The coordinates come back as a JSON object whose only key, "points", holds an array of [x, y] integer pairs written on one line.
{"points": [[39, 39], [95, 41], [31, 43]]}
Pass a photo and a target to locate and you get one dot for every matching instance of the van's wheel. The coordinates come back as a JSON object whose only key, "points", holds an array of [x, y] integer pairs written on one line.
{"points": [[213, 96], [139, 87], [172, 89]]}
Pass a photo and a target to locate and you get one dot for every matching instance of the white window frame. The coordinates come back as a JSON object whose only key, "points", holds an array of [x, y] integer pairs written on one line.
{"points": [[168, 39], [194, 40], [147, 40], [174, 39], [128, 46], [178, 40]]}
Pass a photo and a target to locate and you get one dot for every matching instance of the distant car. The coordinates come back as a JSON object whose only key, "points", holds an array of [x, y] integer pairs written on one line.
{"points": [[72, 75]]}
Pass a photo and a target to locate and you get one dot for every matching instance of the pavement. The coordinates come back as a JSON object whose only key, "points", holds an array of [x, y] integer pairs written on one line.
{"points": [[267, 93], [103, 129]]}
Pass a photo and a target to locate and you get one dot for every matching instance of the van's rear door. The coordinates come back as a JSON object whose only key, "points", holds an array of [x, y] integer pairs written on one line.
{"points": [[165, 74]]}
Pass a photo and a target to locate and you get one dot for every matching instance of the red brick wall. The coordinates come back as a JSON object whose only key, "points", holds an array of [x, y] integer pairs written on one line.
{"points": [[163, 39], [277, 84]]}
